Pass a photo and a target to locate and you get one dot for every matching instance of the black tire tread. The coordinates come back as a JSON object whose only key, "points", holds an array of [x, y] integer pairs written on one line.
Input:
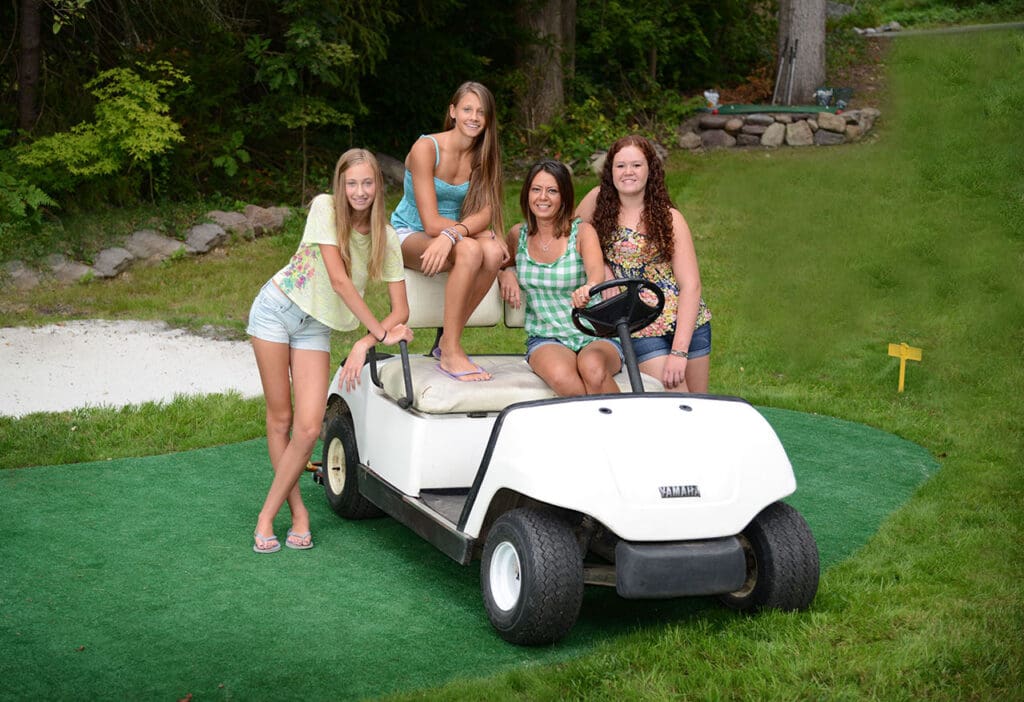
{"points": [[788, 566], [552, 581]]}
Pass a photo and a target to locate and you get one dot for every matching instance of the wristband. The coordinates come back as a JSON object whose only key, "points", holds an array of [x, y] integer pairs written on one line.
{"points": [[380, 340], [449, 235], [460, 224], [680, 354]]}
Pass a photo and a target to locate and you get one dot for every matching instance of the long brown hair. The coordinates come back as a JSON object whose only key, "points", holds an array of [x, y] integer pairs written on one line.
{"points": [[656, 220], [343, 218], [563, 179], [485, 186]]}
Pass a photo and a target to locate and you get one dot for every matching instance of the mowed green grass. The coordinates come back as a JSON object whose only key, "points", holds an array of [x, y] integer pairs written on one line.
{"points": [[813, 261]]}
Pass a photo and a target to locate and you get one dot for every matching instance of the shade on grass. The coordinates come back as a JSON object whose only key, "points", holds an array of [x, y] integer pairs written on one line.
{"points": [[135, 579]]}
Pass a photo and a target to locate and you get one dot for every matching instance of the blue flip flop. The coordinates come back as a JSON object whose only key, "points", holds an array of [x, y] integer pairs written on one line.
{"points": [[298, 547], [478, 370], [263, 541]]}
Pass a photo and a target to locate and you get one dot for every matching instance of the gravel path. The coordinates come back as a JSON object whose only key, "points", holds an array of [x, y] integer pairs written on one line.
{"points": [[115, 363]]}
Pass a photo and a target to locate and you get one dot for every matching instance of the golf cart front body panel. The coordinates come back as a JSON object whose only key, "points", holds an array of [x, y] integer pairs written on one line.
{"points": [[651, 468], [660, 571]]}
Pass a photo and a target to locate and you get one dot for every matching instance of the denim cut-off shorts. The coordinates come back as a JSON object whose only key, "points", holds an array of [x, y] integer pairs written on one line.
{"points": [[274, 317], [653, 346], [535, 342]]}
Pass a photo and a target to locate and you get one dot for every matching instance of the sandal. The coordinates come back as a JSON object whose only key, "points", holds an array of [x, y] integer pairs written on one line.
{"points": [[261, 545], [298, 545]]}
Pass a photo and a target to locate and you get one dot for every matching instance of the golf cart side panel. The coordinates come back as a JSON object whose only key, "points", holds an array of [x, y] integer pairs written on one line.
{"points": [[420, 452], [653, 467]]}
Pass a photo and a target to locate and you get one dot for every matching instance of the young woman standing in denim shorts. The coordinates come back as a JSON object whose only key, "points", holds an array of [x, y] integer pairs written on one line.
{"points": [[347, 242], [644, 236], [557, 260]]}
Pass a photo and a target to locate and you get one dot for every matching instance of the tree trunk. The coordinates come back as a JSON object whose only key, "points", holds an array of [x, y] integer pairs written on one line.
{"points": [[802, 23], [29, 63], [544, 59]]}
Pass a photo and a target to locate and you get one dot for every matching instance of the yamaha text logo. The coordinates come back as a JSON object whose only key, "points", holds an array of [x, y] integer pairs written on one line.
{"points": [[679, 491]]}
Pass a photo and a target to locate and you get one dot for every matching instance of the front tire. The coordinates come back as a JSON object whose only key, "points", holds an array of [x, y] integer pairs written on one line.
{"points": [[782, 562], [340, 468], [531, 575]]}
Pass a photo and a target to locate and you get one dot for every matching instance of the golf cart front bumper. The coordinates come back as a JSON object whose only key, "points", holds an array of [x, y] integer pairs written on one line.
{"points": [[678, 569]]}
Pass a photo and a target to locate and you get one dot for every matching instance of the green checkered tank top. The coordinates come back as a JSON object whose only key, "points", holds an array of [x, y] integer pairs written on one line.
{"points": [[548, 289]]}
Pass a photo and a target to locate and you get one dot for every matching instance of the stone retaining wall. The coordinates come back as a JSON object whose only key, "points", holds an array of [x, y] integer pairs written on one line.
{"points": [[774, 129], [149, 246]]}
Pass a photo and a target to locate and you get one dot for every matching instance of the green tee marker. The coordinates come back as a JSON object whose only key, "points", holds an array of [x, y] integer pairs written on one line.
{"points": [[904, 353]]}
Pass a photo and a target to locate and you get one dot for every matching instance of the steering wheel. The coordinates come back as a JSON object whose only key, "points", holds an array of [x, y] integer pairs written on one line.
{"points": [[628, 308]]}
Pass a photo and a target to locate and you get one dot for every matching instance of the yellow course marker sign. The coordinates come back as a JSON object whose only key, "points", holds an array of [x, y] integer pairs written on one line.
{"points": [[905, 353]]}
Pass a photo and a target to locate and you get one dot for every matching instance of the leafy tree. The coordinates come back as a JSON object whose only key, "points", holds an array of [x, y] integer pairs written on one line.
{"points": [[131, 130], [311, 70]]}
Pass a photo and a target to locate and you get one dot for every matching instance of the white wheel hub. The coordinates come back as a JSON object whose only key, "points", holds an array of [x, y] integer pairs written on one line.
{"points": [[335, 468], [504, 576]]}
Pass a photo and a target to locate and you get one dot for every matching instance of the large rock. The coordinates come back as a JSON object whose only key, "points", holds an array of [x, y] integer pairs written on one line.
{"points": [[717, 138], [747, 139], [148, 245], [734, 125], [774, 135], [203, 237], [760, 120], [714, 121], [755, 129], [799, 134], [853, 132], [690, 141], [233, 222], [263, 220], [20, 276], [823, 137], [111, 262], [831, 122], [391, 168], [67, 271]]}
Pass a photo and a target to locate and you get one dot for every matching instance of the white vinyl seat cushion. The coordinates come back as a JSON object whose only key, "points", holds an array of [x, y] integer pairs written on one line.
{"points": [[512, 381]]}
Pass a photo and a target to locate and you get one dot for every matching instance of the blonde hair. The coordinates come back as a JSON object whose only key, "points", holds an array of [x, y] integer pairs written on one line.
{"points": [[485, 175], [343, 212]]}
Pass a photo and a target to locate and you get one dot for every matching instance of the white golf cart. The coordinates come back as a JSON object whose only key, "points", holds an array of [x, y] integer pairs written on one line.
{"points": [[657, 494]]}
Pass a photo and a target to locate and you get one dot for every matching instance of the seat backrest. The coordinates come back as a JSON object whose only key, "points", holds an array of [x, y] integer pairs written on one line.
{"points": [[426, 304]]}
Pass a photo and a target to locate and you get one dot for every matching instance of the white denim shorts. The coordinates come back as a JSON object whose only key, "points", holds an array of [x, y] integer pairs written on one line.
{"points": [[274, 317]]}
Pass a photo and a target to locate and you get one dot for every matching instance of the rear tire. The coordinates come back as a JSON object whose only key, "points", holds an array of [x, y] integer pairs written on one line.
{"points": [[531, 575], [340, 468], [782, 562]]}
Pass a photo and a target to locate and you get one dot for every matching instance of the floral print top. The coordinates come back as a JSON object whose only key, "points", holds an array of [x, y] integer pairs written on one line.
{"points": [[305, 280], [631, 256]]}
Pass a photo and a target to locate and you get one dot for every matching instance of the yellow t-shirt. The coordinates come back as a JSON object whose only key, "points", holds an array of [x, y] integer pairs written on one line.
{"points": [[305, 281]]}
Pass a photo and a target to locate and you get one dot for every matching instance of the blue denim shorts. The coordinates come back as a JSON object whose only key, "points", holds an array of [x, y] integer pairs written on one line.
{"points": [[274, 317], [653, 346], [535, 342]]}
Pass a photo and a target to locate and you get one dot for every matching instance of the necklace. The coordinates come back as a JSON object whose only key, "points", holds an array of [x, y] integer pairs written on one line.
{"points": [[544, 247]]}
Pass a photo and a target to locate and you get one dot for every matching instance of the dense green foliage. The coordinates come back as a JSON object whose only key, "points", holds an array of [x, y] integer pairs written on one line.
{"points": [[254, 100]]}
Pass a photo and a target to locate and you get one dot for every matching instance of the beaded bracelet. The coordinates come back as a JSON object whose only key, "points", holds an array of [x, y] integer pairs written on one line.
{"points": [[680, 354]]}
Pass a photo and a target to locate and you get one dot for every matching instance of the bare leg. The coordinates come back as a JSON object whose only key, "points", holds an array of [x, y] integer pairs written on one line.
{"points": [[697, 373], [556, 365], [289, 455], [598, 362]]}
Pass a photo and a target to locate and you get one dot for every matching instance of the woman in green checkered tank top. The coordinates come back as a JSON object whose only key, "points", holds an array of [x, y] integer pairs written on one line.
{"points": [[557, 260]]}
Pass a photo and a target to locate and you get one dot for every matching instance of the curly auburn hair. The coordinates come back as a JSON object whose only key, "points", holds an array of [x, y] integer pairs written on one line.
{"points": [[656, 221]]}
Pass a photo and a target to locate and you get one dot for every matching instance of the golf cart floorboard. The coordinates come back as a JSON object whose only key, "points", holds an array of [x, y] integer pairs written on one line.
{"points": [[447, 503]]}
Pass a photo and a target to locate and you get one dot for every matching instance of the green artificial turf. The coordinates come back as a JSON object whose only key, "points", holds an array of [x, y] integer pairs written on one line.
{"points": [[135, 579]]}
